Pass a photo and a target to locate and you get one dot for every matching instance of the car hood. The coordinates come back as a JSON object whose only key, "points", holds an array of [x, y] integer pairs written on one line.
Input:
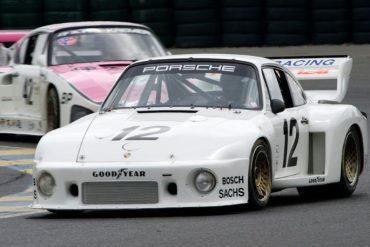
{"points": [[93, 80], [147, 136]]}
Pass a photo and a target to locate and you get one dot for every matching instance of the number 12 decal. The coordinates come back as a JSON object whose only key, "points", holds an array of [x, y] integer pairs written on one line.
{"points": [[148, 135], [292, 161]]}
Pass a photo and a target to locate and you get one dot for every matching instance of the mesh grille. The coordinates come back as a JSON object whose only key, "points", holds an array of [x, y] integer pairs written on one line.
{"points": [[120, 192]]}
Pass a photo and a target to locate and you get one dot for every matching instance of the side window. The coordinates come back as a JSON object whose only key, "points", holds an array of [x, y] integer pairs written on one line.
{"points": [[20, 52], [30, 49], [272, 84], [40, 47], [296, 91], [278, 86]]}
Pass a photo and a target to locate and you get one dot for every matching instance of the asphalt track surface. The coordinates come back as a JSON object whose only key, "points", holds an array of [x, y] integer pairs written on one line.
{"points": [[287, 221]]}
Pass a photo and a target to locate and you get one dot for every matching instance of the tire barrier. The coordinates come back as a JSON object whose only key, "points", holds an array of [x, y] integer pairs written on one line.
{"points": [[156, 14], [106, 10], [57, 11], [197, 23], [287, 22], [242, 22], [330, 21], [360, 21], [209, 23], [20, 14]]}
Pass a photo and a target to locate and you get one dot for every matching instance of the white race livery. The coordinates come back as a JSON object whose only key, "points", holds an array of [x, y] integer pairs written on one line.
{"points": [[206, 130]]}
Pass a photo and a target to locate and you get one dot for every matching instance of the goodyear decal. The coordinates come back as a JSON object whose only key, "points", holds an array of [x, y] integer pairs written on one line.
{"points": [[19, 159]]}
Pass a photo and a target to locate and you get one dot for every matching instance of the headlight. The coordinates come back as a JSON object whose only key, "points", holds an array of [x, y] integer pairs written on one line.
{"points": [[46, 184], [204, 181]]}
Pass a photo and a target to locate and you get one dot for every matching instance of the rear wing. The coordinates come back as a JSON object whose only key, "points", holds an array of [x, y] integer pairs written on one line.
{"points": [[321, 68]]}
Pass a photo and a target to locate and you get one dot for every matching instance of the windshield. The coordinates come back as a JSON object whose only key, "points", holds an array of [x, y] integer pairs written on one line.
{"points": [[103, 44], [188, 84]]}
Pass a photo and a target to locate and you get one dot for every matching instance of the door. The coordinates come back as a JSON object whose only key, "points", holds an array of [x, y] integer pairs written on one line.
{"points": [[28, 78], [290, 151]]}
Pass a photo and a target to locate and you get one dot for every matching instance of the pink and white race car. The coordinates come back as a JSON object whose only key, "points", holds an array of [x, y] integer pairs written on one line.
{"points": [[61, 72]]}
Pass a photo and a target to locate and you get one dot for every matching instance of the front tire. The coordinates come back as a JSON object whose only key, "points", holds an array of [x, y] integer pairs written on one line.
{"points": [[53, 111], [259, 176]]}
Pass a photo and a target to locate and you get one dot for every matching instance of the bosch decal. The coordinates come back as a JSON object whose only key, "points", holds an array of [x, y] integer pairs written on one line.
{"points": [[233, 180], [124, 172], [231, 192]]}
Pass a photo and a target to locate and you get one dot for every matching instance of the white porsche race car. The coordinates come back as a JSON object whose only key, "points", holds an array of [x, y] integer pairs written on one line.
{"points": [[62, 72], [206, 130]]}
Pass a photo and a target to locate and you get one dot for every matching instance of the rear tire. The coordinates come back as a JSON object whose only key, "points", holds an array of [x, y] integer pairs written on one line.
{"points": [[350, 172], [53, 111], [351, 164], [259, 176]]}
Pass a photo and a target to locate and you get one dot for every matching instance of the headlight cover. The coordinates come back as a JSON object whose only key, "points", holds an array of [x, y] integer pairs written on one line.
{"points": [[204, 181], [46, 184]]}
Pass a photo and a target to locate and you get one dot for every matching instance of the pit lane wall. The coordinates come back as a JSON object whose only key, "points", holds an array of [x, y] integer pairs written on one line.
{"points": [[209, 23]]}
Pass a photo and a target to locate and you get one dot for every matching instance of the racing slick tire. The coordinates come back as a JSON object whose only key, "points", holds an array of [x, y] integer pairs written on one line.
{"points": [[147, 4], [100, 5], [350, 172], [259, 176], [240, 3], [350, 165], [52, 17], [108, 15], [152, 15], [232, 39], [52, 110], [193, 4], [191, 41], [24, 6], [65, 5]]}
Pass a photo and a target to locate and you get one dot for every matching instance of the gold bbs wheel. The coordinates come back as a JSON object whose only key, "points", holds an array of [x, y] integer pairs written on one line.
{"points": [[351, 163], [350, 170], [350, 159], [259, 176]]}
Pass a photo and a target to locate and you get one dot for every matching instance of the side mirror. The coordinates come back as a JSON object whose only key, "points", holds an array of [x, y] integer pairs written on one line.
{"points": [[41, 60], [277, 106]]}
